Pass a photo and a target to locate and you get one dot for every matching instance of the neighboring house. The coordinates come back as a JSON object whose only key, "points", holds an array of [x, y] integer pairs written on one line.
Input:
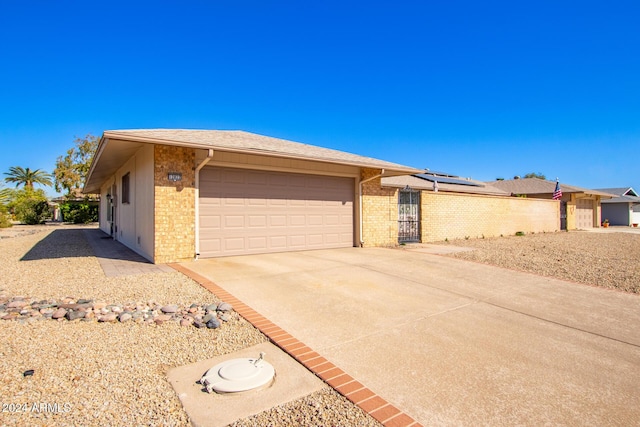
{"points": [[434, 206], [175, 195], [76, 197], [623, 209], [580, 207]]}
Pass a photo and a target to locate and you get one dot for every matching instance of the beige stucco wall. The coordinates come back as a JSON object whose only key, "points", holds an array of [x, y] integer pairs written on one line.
{"points": [[458, 216], [174, 204], [126, 212], [133, 220], [144, 199], [379, 211]]}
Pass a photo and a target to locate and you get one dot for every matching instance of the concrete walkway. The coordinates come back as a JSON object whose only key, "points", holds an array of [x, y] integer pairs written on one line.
{"points": [[450, 342]]}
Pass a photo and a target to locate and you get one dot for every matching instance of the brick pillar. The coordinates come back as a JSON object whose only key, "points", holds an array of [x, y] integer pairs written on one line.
{"points": [[379, 211], [174, 204]]}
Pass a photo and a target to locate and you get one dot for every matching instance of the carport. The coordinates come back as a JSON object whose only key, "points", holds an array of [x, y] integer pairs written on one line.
{"points": [[451, 342]]}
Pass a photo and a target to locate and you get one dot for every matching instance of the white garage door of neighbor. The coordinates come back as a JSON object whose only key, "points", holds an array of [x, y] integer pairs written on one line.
{"points": [[251, 211], [584, 213]]}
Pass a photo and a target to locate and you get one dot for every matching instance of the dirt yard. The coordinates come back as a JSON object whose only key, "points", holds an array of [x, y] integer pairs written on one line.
{"points": [[608, 260]]}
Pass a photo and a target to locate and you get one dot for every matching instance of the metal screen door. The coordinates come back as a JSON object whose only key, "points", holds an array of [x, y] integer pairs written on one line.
{"points": [[408, 216]]}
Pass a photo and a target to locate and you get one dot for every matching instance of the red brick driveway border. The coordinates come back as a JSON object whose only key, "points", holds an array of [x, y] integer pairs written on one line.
{"points": [[343, 383]]}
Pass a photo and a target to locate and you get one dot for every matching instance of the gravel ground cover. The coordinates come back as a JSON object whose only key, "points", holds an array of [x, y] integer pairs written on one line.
{"points": [[608, 260], [97, 374]]}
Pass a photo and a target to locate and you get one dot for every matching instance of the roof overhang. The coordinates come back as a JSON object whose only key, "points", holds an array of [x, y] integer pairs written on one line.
{"points": [[110, 156], [115, 148]]}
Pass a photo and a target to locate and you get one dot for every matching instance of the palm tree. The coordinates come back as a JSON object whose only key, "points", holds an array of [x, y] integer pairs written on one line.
{"points": [[27, 177]]}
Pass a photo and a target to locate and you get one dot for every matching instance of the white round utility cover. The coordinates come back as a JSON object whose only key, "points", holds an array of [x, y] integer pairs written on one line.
{"points": [[238, 375]]}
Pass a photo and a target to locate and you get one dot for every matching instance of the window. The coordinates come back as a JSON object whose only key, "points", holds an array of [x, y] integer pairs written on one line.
{"points": [[125, 188]]}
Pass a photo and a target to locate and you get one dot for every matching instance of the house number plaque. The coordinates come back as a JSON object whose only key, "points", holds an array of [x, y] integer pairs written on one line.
{"points": [[175, 176]]}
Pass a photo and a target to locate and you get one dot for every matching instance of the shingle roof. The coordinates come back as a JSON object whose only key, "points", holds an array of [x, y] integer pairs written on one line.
{"points": [[417, 183], [620, 191], [240, 141], [541, 186], [116, 146], [622, 198]]}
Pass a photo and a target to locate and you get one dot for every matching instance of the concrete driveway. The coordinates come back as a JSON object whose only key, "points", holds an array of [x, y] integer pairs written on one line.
{"points": [[452, 342]]}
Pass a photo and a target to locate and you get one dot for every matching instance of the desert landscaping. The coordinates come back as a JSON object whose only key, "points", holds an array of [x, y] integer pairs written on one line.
{"points": [[110, 372], [608, 260]]}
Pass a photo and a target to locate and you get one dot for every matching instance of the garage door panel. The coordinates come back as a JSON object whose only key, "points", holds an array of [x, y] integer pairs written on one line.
{"points": [[277, 220], [277, 202], [278, 242], [210, 245], [315, 220], [244, 211], [257, 243], [298, 242], [257, 221]]}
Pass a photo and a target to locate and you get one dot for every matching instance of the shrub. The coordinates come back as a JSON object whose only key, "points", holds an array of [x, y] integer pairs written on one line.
{"points": [[5, 218], [30, 206], [79, 212]]}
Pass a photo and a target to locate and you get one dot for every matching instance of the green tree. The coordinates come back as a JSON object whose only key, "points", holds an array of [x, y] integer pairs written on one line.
{"points": [[72, 169], [30, 206], [5, 198], [5, 195], [535, 175], [27, 177]]}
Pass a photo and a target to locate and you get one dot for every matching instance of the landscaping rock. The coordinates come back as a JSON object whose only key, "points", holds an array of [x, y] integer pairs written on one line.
{"points": [[225, 307], [109, 317], [59, 313], [162, 318], [17, 304], [199, 324], [125, 317], [173, 308], [199, 315], [75, 314], [213, 323], [99, 305]]}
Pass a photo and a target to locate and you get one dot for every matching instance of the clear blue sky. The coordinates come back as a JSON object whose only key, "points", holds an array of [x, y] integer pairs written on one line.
{"points": [[479, 89]]}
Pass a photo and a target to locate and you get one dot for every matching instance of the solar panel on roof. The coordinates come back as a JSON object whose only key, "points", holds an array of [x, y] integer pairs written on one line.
{"points": [[444, 174], [447, 180]]}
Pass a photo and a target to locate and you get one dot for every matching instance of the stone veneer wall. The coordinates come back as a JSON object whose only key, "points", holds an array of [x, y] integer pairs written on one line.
{"points": [[174, 204], [458, 216], [379, 211]]}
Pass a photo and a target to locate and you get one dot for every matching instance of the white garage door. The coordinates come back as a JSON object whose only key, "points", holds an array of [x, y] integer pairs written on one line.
{"points": [[584, 213], [249, 211]]}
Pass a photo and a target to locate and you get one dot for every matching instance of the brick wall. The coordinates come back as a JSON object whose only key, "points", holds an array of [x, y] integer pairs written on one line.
{"points": [[379, 211], [457, 216], [174, 204]]}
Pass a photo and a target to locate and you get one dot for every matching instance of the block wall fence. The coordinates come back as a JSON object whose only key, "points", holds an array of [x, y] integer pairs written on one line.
{"points": [[459, 216]]}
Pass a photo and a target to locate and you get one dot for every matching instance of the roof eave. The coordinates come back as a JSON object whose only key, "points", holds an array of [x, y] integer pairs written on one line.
{"points": [[390, 168], [91, 185]]}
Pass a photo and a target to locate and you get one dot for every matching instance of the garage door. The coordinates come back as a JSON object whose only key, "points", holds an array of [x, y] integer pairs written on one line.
{"points": [[249, 211], [584, 213]]}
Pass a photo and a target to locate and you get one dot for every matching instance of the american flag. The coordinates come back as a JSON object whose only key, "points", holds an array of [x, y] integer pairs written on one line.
{"points": [[557, 193]]}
